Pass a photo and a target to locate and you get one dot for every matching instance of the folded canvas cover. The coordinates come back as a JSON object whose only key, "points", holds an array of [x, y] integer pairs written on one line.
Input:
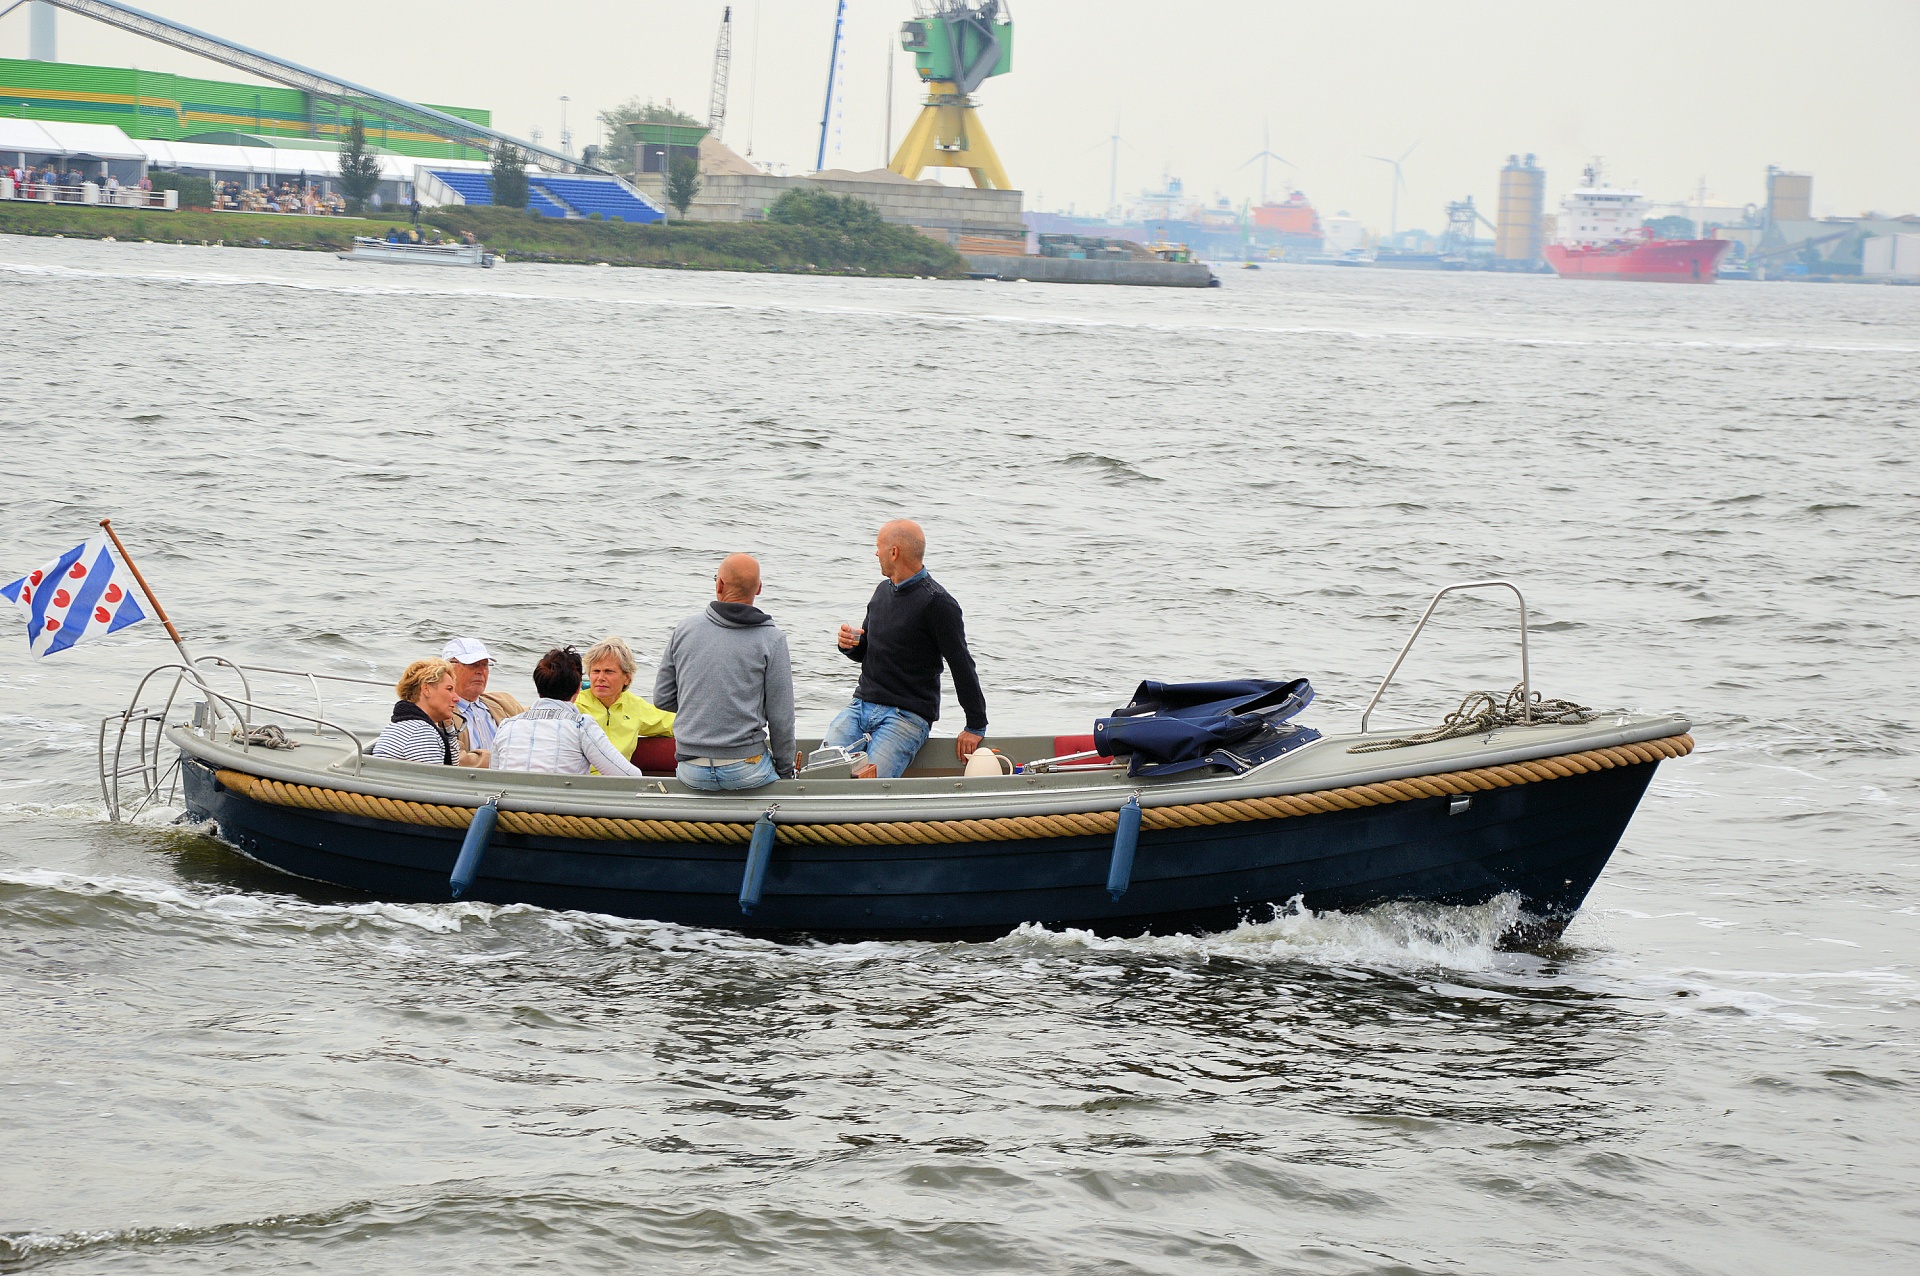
{"points": [[1178, 726]]}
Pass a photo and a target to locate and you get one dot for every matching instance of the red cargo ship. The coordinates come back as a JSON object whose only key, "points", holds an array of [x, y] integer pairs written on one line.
{"points": [[1601, 237], [1659, 261]]}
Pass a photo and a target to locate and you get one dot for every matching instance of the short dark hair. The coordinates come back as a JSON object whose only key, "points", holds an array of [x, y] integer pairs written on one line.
{"points": [[557, 676]]}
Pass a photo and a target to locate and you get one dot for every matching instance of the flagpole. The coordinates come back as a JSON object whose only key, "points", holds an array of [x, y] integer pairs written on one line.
{"points": [[158, 610]]}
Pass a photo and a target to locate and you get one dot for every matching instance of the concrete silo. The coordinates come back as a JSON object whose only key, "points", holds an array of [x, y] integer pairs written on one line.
{"points": [[1523, 203], [1789, 196]]}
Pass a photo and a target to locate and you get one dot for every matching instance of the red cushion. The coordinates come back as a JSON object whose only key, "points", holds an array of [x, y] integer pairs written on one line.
{"points": [[1065, 744], [656, 753]]}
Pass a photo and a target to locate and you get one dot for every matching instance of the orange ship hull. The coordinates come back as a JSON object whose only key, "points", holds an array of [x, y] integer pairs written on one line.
{"points": [[1659, 261]]}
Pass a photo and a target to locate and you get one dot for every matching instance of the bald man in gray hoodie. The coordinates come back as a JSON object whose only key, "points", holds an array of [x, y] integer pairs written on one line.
{"points": [[727, 675]]}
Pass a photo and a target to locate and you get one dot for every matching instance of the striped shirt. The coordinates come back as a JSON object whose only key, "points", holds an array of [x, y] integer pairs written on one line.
{"points": [[555, 738], [480, 724], [415, 741]]}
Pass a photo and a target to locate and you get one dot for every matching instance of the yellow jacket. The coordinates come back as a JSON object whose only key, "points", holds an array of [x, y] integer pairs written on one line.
{"points": [[626, 719]]}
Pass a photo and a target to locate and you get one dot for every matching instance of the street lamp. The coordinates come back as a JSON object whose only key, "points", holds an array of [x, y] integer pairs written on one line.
{"points": [[566, 138]]}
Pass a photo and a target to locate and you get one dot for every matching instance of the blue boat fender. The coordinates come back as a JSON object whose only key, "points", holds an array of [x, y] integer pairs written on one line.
{"points": [[479, 833], [1126, 836], [759, 853]]}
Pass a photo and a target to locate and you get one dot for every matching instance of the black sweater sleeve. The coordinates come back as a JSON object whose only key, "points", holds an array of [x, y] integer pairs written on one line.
{"points": [[950, 632]]}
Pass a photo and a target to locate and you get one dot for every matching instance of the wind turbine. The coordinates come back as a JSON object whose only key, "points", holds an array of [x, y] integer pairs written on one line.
{"points": [[1113, 173], [1266, 153], [1399, 184]]}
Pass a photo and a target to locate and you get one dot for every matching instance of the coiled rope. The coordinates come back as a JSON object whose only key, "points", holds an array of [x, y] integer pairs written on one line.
{"points": [[1480, 713], [268, 736], [1011, 828]]}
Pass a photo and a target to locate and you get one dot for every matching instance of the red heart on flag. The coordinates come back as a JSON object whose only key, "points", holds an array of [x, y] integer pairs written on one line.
{"points": [[34, 579], [115, 593], [102, 615], [61, 598], [52, 624], [77, 570]]}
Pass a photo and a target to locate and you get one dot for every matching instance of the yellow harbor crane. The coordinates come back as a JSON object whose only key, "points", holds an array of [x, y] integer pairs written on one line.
{"points": [[956, 45]]}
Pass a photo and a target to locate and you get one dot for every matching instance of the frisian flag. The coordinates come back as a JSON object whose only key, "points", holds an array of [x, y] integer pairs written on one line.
{"points": [[80, 595]]}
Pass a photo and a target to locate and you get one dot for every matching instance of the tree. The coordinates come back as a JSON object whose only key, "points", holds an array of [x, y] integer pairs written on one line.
{"points": [[509, 179], [809, 206], [620, 123], [195, 192], [359, 169], [683, 182]]}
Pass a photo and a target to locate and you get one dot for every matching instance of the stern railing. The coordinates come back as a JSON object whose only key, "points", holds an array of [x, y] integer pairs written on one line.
{"points": [[139, 731]]}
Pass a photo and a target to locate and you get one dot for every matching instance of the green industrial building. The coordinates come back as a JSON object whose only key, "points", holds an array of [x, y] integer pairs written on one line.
{"points": [[176, 108]]}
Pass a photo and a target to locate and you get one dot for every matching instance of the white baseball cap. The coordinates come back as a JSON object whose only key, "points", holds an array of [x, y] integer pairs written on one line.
{"points": [[466, 651]]}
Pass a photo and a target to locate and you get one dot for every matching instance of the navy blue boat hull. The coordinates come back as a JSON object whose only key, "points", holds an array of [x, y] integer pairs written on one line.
{"points": [[1545, 842]]}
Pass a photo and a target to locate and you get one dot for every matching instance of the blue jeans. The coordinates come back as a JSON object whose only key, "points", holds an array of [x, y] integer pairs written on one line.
{"points": [[897, 734], [734, 775]]}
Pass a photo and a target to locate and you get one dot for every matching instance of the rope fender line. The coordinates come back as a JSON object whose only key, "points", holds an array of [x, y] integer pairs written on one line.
{"points": [[1009, 828]]}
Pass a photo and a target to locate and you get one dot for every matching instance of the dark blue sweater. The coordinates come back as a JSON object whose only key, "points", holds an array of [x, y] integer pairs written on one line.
{"points": [[909, 631]]}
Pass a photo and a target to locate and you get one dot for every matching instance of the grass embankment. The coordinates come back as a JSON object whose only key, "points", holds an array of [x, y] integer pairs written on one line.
{"points": [[879, 250], [236, 230], [883, 250]]}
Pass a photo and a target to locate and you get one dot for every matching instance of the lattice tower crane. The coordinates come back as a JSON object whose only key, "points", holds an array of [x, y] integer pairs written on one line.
{"points": [[722, 63]]}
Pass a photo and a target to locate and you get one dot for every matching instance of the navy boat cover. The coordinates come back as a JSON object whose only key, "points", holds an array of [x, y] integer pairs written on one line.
{"points": [[1180, 726]]}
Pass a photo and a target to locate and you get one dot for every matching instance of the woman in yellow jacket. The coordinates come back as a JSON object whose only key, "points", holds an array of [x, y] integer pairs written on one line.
{"points": [[606, 699]]}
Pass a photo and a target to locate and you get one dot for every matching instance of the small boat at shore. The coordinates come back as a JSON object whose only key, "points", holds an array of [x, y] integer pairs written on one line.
{"points": [[366, 248], [1117, 832]]}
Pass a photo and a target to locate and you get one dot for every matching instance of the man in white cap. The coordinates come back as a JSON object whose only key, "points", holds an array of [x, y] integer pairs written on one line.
{"points": [[481, 711]]}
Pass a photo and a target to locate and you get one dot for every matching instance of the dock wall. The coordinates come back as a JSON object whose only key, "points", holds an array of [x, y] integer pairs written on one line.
{"points": [[1073, 270]]}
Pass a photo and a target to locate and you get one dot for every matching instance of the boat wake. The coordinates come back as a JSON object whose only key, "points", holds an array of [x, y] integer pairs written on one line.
{"points": [[1395, 937]]}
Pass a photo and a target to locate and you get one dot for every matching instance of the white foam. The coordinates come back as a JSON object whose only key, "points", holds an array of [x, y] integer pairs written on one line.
{"points": [[1396, 937]]}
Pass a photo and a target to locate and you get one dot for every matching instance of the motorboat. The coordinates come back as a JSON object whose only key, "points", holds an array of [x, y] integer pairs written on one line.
{"points": [[1193, 808], [367, 248]]}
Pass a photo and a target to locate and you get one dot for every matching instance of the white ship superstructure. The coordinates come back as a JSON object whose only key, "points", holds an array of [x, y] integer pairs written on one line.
{"points": [[1597, 214]]}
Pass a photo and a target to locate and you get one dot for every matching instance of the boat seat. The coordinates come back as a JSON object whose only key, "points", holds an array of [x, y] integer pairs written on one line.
{"points": [[1065, 744], [655, 755]]}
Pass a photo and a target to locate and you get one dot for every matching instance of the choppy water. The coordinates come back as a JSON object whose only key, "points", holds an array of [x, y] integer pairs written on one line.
{"points": [[1710, 495]]}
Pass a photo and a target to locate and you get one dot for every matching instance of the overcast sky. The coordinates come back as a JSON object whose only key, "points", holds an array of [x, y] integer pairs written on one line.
{"points": [[1668, 92]]}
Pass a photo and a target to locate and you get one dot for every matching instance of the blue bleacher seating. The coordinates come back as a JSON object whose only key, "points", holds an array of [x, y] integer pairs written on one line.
{"points": [[589, 195], [538, 202], [559, 196], [475, 188]]}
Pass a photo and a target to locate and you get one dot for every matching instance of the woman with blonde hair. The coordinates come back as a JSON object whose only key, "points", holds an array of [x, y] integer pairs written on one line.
{"points": [[424, 726], [606, 699]]}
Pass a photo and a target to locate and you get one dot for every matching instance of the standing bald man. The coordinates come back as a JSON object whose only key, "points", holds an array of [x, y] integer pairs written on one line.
{"points": [[727, 673], [912, 625]]}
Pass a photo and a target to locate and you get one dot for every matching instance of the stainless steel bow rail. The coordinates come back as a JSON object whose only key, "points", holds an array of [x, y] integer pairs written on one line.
{"points": [[1526, 683], [139, 731]]}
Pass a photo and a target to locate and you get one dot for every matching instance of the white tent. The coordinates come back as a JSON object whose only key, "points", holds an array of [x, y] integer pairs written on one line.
{"points": [[55, 137], [42, 138], [271, 162]]}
